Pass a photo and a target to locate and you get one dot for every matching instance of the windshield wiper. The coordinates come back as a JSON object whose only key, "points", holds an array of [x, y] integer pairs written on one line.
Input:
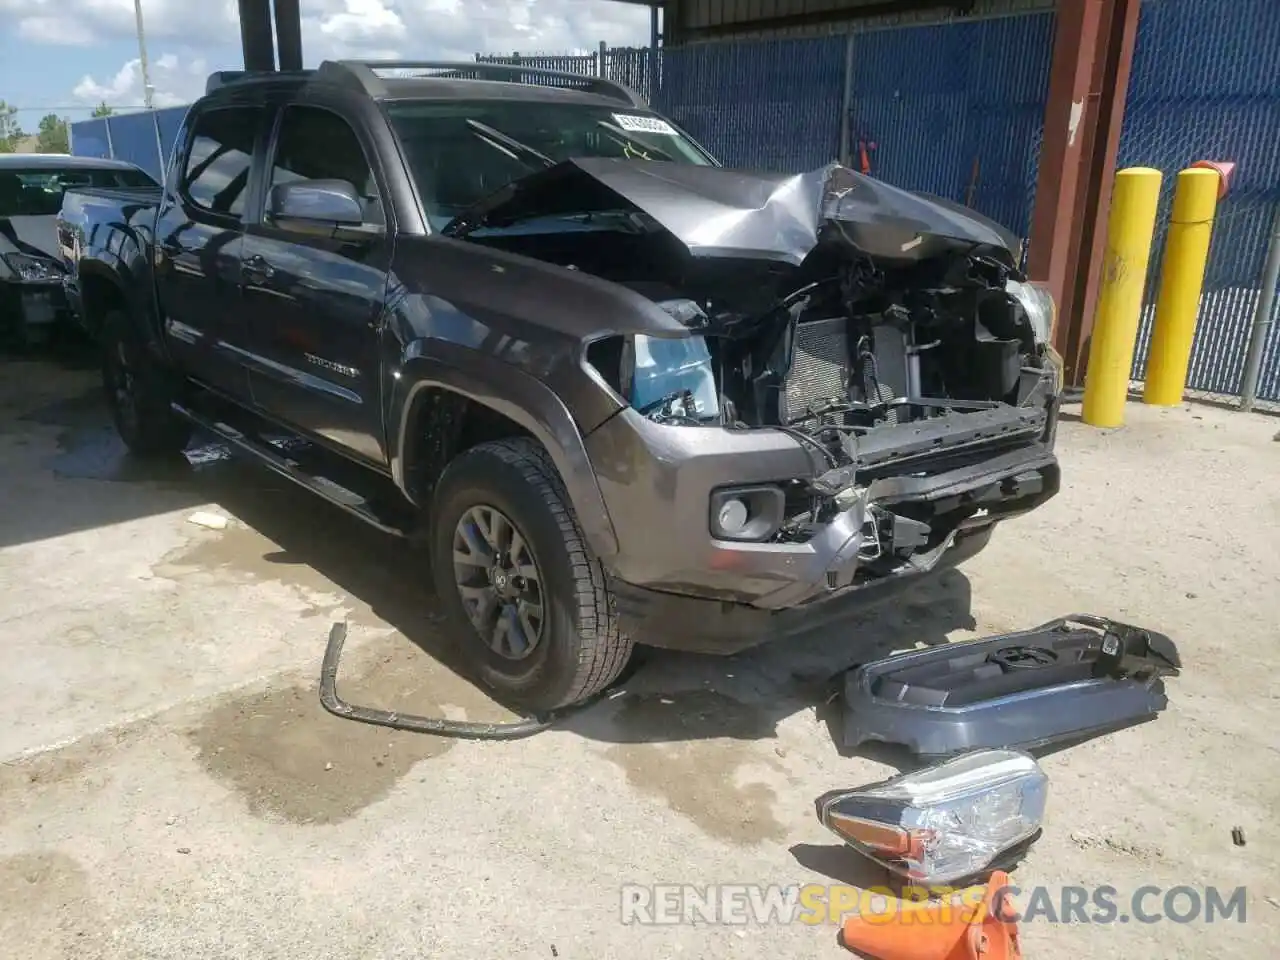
{"points": [[623, 221], [498, 139], [629, 142]]}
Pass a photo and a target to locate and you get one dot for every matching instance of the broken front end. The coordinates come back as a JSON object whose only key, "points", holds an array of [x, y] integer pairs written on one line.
{"points": [[864, 390]]}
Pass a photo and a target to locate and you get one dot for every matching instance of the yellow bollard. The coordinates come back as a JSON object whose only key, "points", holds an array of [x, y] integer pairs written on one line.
{"points": [[1195, 199], [1124, 273]]}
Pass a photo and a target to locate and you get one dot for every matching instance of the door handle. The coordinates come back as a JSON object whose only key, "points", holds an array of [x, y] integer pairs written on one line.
{"points": [[257, 268]]}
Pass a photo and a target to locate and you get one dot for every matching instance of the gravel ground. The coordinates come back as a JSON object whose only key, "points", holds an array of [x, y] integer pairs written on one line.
{"points": [[170, 786]]}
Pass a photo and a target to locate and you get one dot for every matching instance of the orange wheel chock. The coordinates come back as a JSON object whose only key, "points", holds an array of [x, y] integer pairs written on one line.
{"points": [[973, 924]]}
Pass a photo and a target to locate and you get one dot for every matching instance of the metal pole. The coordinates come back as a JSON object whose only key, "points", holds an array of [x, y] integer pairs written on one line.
{"points": [[111, 147], [147, 90], [256, 41], [289, 34], [1262, 319], [600, 60], [846, 153], [653, 61], [155, 122]]}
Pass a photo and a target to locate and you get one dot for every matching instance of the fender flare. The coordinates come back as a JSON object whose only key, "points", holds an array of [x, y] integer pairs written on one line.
{"points": [[519, 397], [126, 282]]}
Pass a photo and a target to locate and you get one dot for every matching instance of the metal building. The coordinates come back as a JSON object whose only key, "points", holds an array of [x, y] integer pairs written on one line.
{"points": [[690, 21]]}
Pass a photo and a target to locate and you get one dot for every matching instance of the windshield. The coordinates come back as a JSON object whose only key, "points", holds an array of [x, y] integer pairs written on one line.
{"points": [[462, 151], [38, 192]]}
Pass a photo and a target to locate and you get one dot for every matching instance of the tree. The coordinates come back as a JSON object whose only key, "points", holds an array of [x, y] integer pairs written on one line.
{"points": [[52, 137], [102, 110], [10, 130]]}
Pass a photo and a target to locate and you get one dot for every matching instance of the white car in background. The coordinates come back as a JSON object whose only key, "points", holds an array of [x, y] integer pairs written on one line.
{"points": [[32, 299]]}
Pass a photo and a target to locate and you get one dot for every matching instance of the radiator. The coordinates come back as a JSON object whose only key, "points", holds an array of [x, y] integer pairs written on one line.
{"points": [[819, 367]]}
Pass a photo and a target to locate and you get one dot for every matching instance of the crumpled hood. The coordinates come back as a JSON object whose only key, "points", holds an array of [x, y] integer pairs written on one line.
{"points": [[717, 212], [34, 236]]}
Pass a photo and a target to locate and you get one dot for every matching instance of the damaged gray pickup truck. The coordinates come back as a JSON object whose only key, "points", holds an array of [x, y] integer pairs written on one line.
{"points": [[624, 394]]}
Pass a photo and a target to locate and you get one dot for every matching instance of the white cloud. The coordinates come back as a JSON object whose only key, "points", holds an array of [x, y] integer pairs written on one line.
{"points": [[55, 30], [446, 29], [175, 79], [69, 22]]}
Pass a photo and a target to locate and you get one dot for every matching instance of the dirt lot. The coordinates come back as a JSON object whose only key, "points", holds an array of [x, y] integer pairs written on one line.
{"points": [[171, 787]]}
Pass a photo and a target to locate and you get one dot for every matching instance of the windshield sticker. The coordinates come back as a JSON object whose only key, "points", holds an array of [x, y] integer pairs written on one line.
{"points": [[640, 124]]}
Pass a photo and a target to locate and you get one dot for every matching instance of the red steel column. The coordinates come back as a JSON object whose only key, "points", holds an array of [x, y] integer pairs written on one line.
{"points": [[1067, 116], [1111, 84]]}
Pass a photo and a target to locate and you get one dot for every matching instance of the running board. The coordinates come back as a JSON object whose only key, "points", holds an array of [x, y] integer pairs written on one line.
{"points": [[276, 458]]}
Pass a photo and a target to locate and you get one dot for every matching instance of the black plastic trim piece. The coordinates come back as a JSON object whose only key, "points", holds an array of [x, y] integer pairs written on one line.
{"points": [[1065, 681]]}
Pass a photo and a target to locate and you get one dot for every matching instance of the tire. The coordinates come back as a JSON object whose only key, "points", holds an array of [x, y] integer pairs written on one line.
{"points": [[140, 392], [578, 649]]}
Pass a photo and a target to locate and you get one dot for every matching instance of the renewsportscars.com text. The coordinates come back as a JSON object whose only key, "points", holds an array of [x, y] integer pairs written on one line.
{"points": [[674, 904]]}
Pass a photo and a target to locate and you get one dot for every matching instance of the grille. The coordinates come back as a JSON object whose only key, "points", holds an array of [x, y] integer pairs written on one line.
{"points": [[819, 368]]}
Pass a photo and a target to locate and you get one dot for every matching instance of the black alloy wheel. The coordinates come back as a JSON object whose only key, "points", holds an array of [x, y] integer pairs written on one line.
{"points": [[499, 582]]}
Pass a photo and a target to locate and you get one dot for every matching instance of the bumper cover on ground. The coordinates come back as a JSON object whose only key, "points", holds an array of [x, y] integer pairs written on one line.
{"points": [[1067, 680]]}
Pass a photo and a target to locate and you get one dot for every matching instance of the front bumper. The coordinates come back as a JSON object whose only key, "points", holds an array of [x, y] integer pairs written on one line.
{"points": [[657, 481], [33, 306], [696, 625], [1065, 681]]}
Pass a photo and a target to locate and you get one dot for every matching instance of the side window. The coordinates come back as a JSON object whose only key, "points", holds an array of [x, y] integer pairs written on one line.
{"points": [[217, 171], [316, 144]]}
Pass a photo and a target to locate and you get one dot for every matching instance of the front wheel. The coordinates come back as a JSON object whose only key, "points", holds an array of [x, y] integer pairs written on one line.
{"points": [[140, 392], [519, 581]]}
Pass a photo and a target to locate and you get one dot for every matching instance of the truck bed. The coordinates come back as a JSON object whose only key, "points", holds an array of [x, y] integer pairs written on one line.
{"points": [[111, 225]]}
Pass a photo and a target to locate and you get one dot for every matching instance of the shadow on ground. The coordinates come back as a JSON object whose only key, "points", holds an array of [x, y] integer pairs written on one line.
{"points": [[667, 696], [54, 426]]}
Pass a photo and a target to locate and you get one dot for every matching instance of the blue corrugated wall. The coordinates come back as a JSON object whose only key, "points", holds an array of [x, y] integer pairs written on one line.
{"points": [[771, 104], [144, 138], [953, 109], [957, 109]]}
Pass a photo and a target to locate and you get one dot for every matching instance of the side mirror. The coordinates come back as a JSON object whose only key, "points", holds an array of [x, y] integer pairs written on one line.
{"points": [[329, 208]]}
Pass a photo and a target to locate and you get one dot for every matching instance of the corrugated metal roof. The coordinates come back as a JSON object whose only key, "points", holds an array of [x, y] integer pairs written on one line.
{"points": [[693, 20]]}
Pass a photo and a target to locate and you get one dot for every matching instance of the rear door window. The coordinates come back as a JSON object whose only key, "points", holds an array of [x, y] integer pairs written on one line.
{"points": [[216, 177]]}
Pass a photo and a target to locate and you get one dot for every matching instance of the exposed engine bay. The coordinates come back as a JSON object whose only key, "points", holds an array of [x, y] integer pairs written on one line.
{"points": [[891, 354], [881, 371]]}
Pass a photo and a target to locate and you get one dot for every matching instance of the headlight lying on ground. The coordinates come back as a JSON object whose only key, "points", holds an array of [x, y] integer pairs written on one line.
{"points": [[948, 822], [1039, 305], [32, 269]]}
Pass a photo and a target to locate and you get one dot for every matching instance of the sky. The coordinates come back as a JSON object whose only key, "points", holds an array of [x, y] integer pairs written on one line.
{"points": [[67, 56]]}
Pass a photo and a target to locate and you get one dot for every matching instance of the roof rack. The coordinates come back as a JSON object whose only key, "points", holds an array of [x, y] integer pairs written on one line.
{"points": [[223, 78], [361, 75]]}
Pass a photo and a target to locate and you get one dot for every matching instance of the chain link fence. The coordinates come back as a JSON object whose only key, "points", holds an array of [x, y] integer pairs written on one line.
{"points": [[637, 67], [1206, 86]]}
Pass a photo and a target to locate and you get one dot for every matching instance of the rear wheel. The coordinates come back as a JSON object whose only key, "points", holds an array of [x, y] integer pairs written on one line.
{"points": [[140, 392], [517, 578]]}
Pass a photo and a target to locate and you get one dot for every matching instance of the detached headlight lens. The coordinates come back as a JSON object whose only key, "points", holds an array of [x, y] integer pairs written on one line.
{"points": [[948, 822], [1039, 306], [32, 269]]}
